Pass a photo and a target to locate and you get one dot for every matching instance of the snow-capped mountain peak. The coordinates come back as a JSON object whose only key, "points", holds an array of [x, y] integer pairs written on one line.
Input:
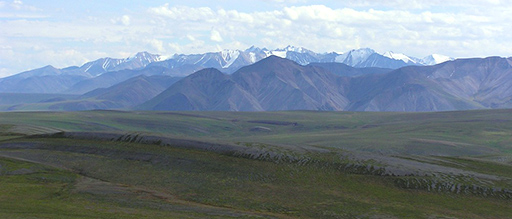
{"points": [[282, 52], [400, 56], [293, 49], [229, 56], [255, 49], [435, 59], [355, 56], [144, 57], [100, 66], [230, 60]]}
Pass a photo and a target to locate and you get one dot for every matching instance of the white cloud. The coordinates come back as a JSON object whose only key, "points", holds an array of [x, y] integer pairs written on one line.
{"points": [[450, 27], [184, 13], [215, 36], [19, 5], [427, 4], [155, 44], [123, 20], [176, 48], [190, 37], [4, 72], [18, 10]]}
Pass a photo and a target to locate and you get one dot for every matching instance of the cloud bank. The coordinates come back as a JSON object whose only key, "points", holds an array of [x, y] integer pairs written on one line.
{"points": [[33, 37]]}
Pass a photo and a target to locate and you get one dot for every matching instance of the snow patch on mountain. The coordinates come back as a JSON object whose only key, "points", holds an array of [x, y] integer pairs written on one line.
{"points": [[280, 53], [400, 56], [231, 60], [229, 56], [294, 49], [435, 59], [100, 66], [355, 56]]}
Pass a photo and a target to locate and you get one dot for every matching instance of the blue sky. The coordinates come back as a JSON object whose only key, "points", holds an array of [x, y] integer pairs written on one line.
{"points": [[34, 33]]}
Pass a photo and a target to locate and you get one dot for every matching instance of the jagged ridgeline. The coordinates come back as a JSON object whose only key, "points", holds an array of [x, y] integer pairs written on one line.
{"points": [[257, 164], [272, 83]]}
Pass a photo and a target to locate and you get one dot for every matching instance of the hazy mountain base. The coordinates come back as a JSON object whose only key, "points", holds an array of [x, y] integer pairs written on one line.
{"points": [[295, 164], [125, 94]]}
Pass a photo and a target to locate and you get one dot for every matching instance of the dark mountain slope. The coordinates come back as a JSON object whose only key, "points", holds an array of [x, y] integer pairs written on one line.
{"points": [[52, 80], [43, 80], [281, 84], [400, 90], [133, 91], [456, 85], [112, 78], [486, 81], [378, 60], [208, 89], [271, 84], [120, 96], [348, 71]]}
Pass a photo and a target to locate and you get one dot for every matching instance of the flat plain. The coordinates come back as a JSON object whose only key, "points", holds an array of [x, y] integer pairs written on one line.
{"points": [[294, 164]]}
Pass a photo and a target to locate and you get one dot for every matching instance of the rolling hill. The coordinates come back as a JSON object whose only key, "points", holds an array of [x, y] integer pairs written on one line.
{"points": [[286, 164], [123, 95]]}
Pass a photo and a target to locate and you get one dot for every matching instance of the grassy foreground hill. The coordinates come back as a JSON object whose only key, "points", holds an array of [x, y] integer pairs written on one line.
{"points": [[298, 164]]}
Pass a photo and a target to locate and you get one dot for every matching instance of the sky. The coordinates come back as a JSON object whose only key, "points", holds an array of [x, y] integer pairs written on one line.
{"points": [[62, 33]]}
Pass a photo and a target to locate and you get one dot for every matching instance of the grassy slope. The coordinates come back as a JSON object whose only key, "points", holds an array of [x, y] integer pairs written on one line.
{"points": [[32, 190], [28, 101], [449, 133], [160, 181]]}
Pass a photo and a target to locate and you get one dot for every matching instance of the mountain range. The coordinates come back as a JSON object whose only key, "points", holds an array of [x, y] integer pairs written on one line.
{"points": [[262, 80], [229, 61], [91, 75], [271, 84], [281, 84]]}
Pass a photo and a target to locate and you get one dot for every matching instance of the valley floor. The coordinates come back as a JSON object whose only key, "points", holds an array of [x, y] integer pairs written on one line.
{"points": [[298, 164]]}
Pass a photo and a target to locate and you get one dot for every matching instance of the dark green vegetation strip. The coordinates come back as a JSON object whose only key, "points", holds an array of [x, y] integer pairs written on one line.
{"points": [[279, 164]]}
